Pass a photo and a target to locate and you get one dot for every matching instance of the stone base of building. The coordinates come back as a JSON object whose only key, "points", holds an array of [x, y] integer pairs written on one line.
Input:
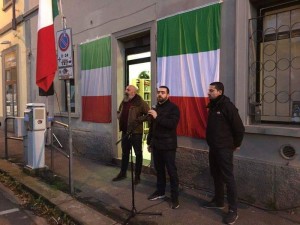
{"points": [[91, 145], [263, 184], [260, 183]]}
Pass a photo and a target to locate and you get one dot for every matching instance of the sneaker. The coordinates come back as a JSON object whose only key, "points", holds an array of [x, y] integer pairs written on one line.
{"points": [[231, 217], [156, 195], [119, 177], [175, 204], [214, 205]]}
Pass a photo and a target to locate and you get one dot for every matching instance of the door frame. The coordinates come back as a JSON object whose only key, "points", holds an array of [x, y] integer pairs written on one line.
{"points": [[3, 53], [119, 73]]}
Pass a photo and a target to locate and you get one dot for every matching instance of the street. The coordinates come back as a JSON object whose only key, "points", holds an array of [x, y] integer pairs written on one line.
{"points": [[12, 214]]}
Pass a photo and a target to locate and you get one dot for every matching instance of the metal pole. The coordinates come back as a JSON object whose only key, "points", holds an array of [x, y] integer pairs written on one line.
{"points": [[52, 150], [70, 139], [69, 127], [5, 130]]}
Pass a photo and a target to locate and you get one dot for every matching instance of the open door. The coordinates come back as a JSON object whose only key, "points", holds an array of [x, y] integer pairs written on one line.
{"points": [[138, 73]]}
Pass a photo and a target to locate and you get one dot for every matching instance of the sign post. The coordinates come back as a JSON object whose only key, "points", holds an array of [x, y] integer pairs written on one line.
{"points": [[65, 72]]}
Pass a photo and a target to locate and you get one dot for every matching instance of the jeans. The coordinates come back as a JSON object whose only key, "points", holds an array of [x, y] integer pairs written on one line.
{"points": [[135, 141], [166, 159], [221, 168]]}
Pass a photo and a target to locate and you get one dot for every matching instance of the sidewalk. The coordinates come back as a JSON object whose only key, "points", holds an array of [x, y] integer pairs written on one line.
{"points": [[93, 181]]}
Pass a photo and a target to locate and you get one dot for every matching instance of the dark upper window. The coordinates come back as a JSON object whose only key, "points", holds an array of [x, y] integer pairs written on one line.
{"points": [[274, 64]]}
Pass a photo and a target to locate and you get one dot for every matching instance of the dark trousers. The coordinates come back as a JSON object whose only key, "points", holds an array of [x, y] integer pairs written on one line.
{"points": [[166, 159], [135, 141], [221, 168]]}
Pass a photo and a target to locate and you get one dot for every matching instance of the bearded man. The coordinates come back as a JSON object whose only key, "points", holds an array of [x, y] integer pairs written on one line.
{"points": [[131, 115], [162, 141]]}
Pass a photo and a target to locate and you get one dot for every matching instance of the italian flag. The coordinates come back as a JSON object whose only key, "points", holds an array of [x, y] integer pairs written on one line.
{"points": [[188, 61], [96, 80], [46, 64]]}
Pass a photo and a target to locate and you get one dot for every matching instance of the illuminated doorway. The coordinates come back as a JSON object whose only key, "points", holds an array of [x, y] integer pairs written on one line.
{"points": [[138, 73]]}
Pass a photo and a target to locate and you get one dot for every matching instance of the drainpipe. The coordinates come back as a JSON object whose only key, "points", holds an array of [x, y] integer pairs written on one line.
{"points": [[14, 22]]}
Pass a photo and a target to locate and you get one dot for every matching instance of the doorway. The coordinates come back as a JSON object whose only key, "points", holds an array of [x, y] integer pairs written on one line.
{"points": [[133, 62], [10, 89], [138, 73]]}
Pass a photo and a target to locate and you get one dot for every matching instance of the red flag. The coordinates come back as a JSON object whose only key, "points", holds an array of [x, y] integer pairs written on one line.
{"points": [[46, 64]]}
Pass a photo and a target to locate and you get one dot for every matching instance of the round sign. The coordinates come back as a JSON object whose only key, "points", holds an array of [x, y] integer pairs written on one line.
{"points": [[64, 41]]}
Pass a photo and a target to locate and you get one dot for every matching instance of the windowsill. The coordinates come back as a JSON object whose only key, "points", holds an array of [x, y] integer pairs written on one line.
{"points": [[65, 114], [274, 129]]}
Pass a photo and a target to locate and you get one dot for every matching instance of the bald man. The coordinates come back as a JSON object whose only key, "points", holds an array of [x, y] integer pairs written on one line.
{"points": [[131, 115]]}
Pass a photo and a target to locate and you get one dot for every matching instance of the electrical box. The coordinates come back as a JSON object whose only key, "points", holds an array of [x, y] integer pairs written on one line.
{"points": [[35, 124], [35, 116], [36, 149]]}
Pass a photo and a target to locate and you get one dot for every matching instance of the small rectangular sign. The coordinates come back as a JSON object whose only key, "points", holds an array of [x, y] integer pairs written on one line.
{"points": [[64, 54], [65, 73]]}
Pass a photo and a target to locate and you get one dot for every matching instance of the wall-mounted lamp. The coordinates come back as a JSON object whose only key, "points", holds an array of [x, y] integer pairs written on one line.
{"points": [[5, 43]]}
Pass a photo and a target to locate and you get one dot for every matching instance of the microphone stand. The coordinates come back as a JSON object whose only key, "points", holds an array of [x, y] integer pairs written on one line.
{"points": [[133, 212]]}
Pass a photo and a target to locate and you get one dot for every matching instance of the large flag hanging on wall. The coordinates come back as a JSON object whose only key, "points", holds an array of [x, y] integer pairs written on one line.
{"points": [[96, 80], [46, 64], [188, 52]]}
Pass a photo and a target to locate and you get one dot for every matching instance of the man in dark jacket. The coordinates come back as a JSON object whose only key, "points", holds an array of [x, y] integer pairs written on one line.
{"points": [[131, 115], [224, 135], [162, 140]]}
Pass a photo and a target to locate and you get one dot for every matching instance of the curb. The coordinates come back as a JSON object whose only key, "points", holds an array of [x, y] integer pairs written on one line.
{"points": [[76, 210]]}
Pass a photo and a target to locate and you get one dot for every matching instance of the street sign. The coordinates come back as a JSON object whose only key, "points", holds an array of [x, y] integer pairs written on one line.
{"points": [[65, 73], [65, 54]]}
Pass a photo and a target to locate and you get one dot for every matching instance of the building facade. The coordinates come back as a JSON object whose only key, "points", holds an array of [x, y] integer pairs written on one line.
{"points": [[13, 60], [259, 66]]}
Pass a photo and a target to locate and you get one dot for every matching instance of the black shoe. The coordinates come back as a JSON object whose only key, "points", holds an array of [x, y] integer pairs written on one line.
{"points": [[137, 180], [214, 205], [156, 195], [175, 204], [120, 176], [231, 217]]}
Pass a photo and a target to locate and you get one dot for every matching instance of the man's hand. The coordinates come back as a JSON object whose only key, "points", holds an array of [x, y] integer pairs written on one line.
{"points": [[149, 148], [153, 113]]}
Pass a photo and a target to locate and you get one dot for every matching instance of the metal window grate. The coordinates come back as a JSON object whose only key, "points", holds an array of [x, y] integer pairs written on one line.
{"points": [[274, 66]]}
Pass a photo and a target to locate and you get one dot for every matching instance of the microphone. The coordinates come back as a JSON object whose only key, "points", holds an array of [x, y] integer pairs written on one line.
{"points": [[152, 107]]}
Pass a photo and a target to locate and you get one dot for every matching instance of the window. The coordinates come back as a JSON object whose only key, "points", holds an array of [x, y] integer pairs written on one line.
{"points": [[274, 65], [10, 98], [11, 94], [72, 95], [72, 91]]}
